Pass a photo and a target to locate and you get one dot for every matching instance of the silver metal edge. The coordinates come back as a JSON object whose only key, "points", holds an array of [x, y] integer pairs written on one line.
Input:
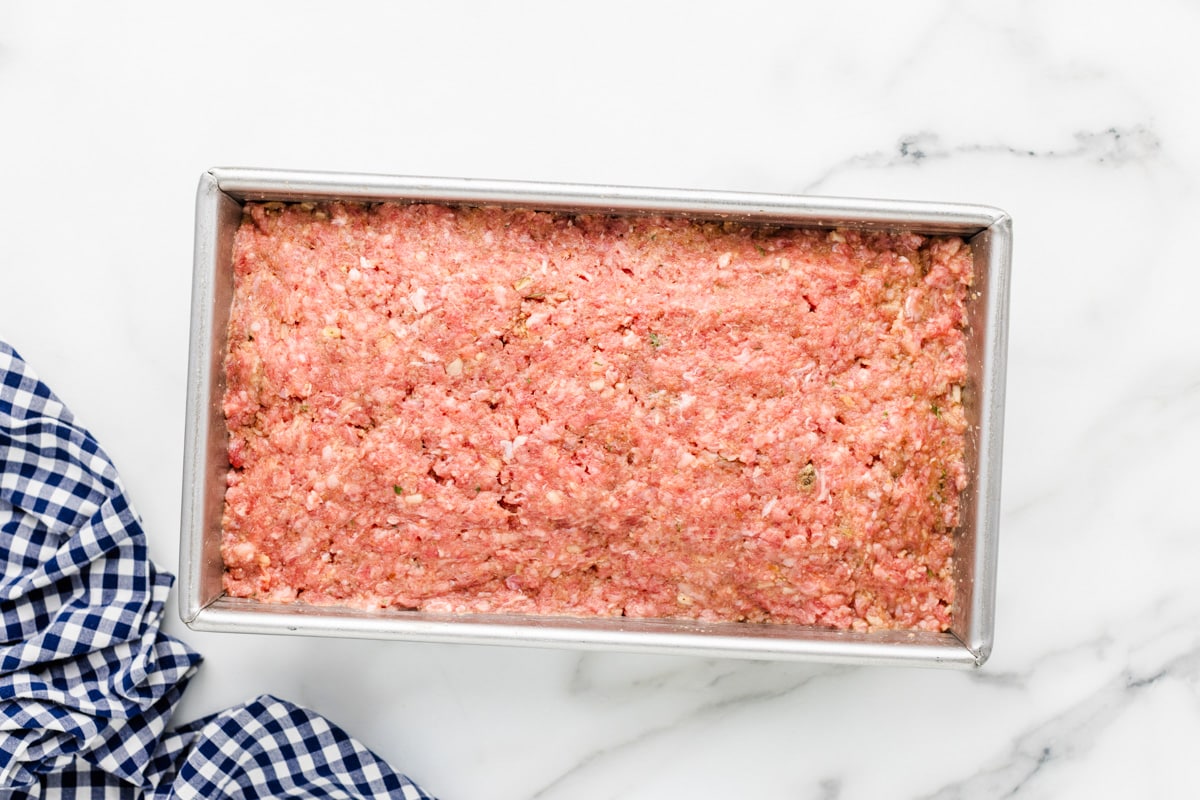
{"points": [[196, 419], [204, 445], [220, 617], [981, 632], [265, 184]]}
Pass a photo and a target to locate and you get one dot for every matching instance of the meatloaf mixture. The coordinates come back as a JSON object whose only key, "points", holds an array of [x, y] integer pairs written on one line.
{"points": [[503, 411]]}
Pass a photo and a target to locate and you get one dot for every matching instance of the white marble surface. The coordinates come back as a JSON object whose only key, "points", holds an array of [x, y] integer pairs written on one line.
{"points": [[1080, 121]]}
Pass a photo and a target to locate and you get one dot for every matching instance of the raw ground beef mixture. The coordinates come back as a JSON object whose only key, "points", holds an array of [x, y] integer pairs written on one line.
{"points": [[485, 410]]}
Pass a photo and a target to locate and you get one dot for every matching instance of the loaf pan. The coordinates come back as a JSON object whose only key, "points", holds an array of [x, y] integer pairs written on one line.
{"points": [[204, 606]]}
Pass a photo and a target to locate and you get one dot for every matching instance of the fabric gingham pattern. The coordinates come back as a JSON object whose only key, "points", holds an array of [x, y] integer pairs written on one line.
{"points": [[88, 681]]}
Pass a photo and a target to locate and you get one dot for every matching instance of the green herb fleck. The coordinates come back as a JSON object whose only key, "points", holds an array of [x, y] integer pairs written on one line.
{"points": [[398, 489], [929, 572], [937, 412], [807, 477], [762, 251], [655, 340], [478, 489]]}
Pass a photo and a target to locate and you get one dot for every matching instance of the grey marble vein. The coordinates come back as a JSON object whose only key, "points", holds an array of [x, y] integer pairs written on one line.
{"points": [[740, 698], [1115, 145], [1066, 737]]}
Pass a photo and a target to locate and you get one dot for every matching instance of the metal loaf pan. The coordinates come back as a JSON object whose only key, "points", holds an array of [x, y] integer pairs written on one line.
{"points": [[220, 197]]}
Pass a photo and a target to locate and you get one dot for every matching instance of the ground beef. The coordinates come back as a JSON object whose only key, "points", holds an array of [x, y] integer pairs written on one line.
{"points": [[486, 410]]}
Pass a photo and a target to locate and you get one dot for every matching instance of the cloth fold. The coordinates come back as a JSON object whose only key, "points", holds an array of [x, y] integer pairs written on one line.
{"points": [[88, 680]]}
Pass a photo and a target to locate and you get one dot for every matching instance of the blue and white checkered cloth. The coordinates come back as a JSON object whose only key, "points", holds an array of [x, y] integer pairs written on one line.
{"points": [[88, 681]]}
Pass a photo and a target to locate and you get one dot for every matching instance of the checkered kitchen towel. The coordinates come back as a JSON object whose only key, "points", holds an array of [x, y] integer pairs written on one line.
{"points": [[88, 681]]}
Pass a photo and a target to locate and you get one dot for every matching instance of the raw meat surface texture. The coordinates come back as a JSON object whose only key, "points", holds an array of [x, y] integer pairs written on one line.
{"points": [[504, 411]]}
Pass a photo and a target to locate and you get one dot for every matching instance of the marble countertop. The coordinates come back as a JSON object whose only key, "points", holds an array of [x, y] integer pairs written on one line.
{"points": [[1077, 124]]}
